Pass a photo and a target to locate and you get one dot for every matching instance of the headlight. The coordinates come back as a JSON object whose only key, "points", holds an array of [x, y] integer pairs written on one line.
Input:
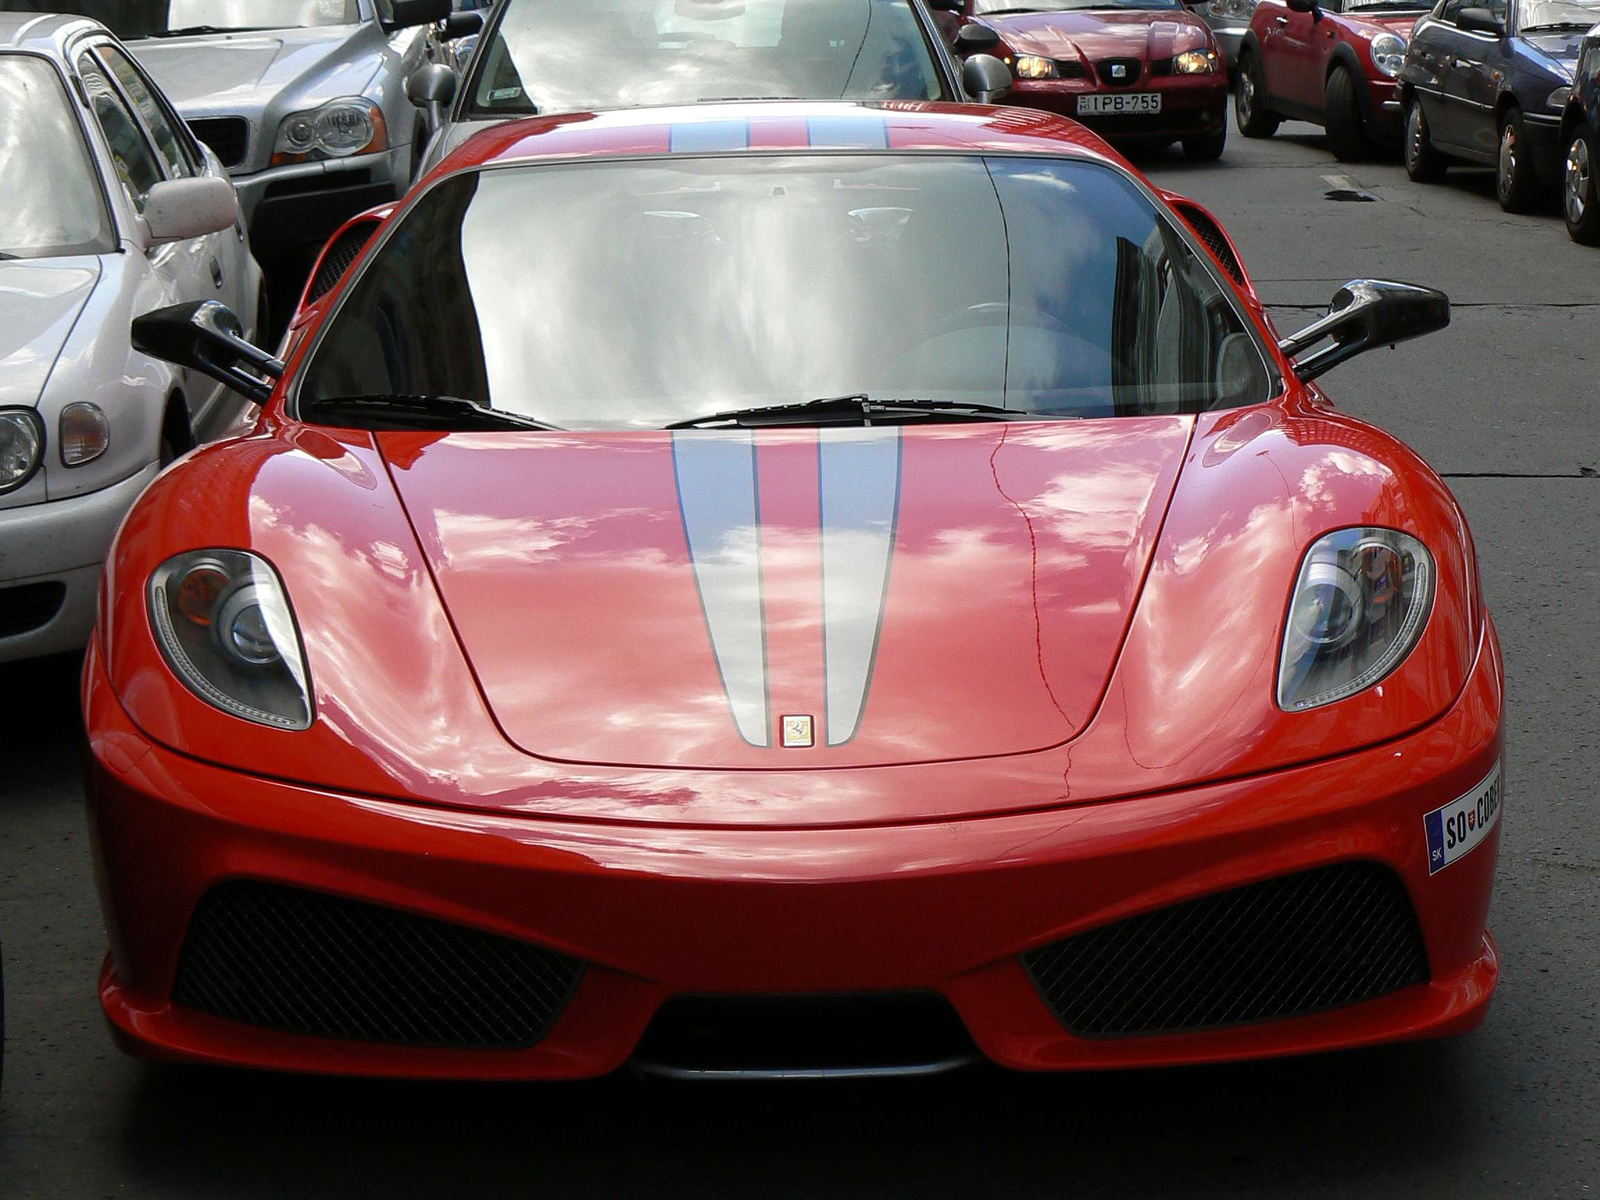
{"points": [[225, 626], [1032, 67], [1195, 62], [1558, 98], [1360, 604], [336, 130], [21, 447], [1389, 53], [85, 434]]}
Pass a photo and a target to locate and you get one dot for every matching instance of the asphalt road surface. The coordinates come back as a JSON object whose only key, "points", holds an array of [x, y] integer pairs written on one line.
{"points": [[1506, 403]]}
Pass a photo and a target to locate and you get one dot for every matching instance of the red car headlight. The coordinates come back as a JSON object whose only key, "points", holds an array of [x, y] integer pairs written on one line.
{"points": [[224, 625], [1360, 605]]}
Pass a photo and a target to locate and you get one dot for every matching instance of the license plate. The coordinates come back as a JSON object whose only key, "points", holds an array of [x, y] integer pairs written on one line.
{"points": [[1458, 828], [1123, 102]]}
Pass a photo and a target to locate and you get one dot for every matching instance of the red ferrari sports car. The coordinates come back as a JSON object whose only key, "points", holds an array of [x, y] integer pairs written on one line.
{"points": [[1331, 64], [787, 588], [1138, 72]]}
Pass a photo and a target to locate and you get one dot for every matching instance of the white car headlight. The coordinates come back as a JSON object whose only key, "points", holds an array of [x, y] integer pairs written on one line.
{"points": [[1359, 607], [1196, 62], [224, 623], [21, 447], [338, 129], [1030, 66], [85, 433], [1558, 98], [1389, 53]]}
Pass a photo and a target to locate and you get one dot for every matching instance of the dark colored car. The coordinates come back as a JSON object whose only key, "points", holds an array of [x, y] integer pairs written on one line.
{"points": [[541, 57], [1136, 72], [1333, 64], [1487, 85], [1580, 134]]}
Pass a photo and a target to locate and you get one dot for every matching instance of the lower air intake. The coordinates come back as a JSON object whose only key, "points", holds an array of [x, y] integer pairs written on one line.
{"points": [[854, 1034], [308, 963], [1281, 948], [29, 607]]}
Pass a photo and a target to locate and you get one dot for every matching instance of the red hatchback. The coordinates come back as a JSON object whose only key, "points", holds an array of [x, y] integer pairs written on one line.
{"points": [[1333, 64], [1135, 71]]}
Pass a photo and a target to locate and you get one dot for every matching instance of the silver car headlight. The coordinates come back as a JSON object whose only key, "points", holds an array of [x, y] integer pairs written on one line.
{"points": [[339, 129], [1389, 53], [1196, 62], [1558, 98], [21, 447], [223, 621], [1359, 607]]}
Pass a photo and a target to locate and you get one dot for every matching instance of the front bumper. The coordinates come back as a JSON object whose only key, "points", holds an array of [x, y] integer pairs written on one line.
{"points": [[293, 210], [1548, 147], [1191, 105], [62, 542], [659, 912]]}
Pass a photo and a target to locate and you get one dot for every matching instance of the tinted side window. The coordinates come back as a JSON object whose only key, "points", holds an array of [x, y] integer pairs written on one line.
{"points": [[168, 138], [135, 161]]}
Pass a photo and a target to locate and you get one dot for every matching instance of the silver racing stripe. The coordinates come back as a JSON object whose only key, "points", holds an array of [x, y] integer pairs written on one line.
{"points": [[718, 499], [859, 489]]}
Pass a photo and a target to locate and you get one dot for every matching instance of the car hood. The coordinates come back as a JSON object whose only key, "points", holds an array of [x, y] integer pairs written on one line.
{"points": [[1102, 34], [1561, 50], [40, 300], [917, 594], [1402, 23], [242, 72]]}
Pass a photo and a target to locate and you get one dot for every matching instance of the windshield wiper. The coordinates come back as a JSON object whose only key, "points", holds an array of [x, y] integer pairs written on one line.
{"points": [[401, 412], [855, 410], [197, 30], [1561, 25]]}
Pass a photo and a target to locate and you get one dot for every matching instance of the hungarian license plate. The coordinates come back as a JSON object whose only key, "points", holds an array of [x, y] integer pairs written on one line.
{"points": [[1122, 102]]}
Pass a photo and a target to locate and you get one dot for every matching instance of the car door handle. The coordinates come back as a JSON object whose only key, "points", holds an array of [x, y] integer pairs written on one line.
{"points": [[1280, 20], [1460, 64], [216, 273]]}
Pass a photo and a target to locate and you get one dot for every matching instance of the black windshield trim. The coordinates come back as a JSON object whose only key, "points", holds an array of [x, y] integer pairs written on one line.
{"points": [[1227, 287]]}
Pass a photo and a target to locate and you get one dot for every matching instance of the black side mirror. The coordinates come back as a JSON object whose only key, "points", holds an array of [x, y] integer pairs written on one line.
{"points": [[985, 78], [976, 39], [1302, 6], [463, 24], [1366, 314], [417, 12], [432, 84], [208, 338], [950, 6], [1480, 20]]}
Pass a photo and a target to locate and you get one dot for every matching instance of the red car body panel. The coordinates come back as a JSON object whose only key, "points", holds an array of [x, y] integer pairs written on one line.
{"points": [[1191, 104], [1299, 50], [1071, 721]]}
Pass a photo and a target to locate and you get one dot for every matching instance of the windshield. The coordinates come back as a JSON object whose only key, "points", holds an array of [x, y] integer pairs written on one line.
{"points": [[1561, 14], [676, 288], [1353, 6], [545, 57], [1000, 8], [134, 19], [53, 203]]}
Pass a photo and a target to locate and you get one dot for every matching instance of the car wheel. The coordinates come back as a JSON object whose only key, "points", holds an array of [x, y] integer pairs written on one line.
{"points": [[1253, 120], [1424, 164], [1580, 199], [1208, 148], [1346, 128], [1514, 183]]}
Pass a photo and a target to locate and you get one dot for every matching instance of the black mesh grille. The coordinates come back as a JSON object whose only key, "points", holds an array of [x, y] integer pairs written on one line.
{"points": [[1118, 72], [1300, 944], [228, 136], [1211, 235], [344, 251], [29, 607], [1070, 68], [308, 963]]}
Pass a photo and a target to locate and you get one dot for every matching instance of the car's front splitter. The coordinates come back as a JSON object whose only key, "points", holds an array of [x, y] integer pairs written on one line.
{"points": [[663, 911]]}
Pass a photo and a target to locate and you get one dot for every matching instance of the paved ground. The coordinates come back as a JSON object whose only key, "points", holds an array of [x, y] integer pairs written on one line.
{"points": [[1505, 403]]}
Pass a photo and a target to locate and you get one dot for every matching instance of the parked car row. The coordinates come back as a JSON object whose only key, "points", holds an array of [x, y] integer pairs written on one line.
{"points": [[1511, 84]]}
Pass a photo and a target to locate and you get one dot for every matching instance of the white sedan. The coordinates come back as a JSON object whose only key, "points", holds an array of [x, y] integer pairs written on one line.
{"points": [[111, 209]]}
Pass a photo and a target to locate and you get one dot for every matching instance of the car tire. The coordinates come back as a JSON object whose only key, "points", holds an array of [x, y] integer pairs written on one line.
{"points": [[1515, 184], [1208, 148], [1345, 126], [1580, 190], [1424, 164], [1253, 120]]}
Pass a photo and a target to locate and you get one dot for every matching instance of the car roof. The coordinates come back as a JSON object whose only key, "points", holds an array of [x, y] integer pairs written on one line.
{"points": [[789, 125], [45, 33]]}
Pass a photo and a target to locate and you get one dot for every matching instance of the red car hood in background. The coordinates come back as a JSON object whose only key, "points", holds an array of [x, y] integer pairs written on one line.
{"points": [[1102, 33], [922, 593], [1402, 23]]}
